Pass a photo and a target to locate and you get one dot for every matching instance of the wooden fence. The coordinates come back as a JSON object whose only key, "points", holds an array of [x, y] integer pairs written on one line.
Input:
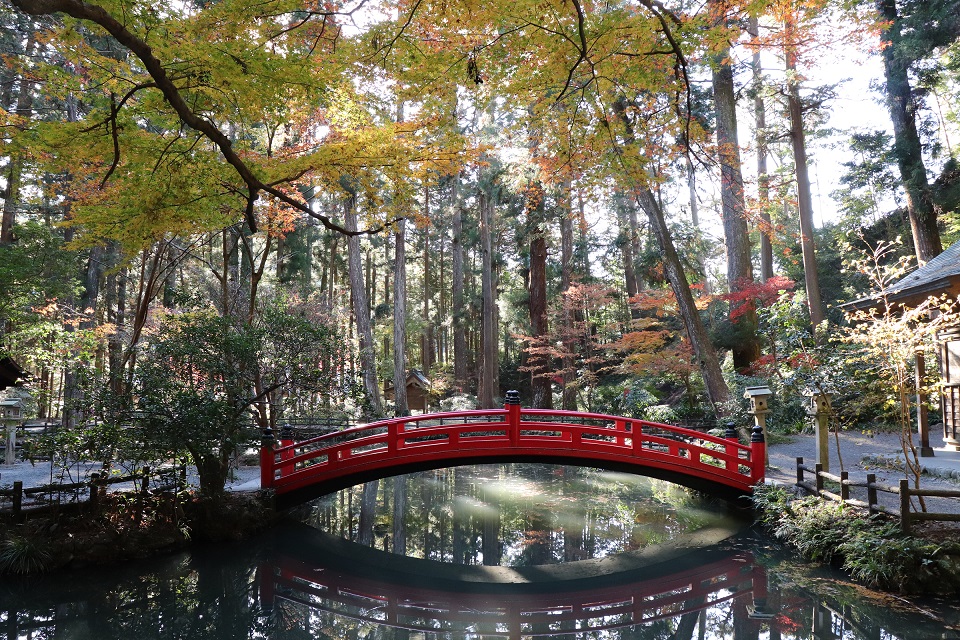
{"points": [[42, 499], [904, 512]]}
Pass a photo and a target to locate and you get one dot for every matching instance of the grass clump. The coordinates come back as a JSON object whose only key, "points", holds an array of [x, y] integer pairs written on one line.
{"points": [[22, 555], [872, 550]]}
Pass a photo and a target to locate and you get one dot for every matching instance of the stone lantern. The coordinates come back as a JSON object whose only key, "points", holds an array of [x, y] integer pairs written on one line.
{"points": [[759, 398], [819, 407]]}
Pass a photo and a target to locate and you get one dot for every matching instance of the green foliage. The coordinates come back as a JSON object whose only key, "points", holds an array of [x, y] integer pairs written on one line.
{"points": [[877, 554], [873, 550], [35, 270], [867, 177], [204, 380], [636, 399]]}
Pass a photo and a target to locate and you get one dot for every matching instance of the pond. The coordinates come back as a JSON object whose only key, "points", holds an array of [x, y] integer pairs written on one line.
{"points": [[487, 551]]}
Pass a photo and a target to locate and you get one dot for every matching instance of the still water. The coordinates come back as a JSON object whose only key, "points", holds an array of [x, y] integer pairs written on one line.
{"points": [[489, 551]]}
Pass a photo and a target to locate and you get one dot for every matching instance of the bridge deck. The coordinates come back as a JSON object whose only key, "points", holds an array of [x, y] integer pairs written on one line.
{"points": [[301, 470]]}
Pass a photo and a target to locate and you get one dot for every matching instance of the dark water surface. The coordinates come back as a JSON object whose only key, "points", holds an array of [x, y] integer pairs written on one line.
{"points": [[511, 551]]}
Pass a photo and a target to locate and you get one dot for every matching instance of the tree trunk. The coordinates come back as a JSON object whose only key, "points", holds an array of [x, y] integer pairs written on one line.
{"points": [[569, 402], [716, 386], [583, 245], [490, 365], [717, 389], [763, 179], [902, 108], [401, 407], [695, 219], [804, 200], [368, 513], [459, 310], [626, 248], [11, 201], [427, 337], [399, 515], [735, 233], [540, 383], [361, 312]]}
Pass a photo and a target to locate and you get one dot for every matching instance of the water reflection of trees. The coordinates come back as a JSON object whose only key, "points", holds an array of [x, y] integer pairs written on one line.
{"points": [[514, 514], [527, 514], [218, 594]]}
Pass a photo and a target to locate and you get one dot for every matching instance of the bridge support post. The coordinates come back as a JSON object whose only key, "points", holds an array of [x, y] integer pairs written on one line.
{"points": [[267, 461], [286, 439], [266, 588], [731, 450], [758, 455], [512, 405]]}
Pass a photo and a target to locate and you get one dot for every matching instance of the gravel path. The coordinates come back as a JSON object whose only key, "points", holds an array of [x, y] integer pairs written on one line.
{"points": [[879, 453]]}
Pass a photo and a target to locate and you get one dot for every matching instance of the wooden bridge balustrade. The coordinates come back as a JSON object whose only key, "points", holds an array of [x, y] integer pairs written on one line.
{"points": [[332, 461]]}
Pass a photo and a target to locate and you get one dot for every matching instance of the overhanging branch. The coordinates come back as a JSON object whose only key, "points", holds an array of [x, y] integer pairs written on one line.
{"points": [[254, 186]]}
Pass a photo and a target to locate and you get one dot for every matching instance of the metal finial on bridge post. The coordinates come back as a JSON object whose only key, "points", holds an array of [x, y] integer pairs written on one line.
{"points": [[731, 432], [512, 397]]}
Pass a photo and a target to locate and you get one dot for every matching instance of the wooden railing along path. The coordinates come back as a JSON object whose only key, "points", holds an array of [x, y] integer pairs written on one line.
{"points": [[903, 512], [18, 501]]}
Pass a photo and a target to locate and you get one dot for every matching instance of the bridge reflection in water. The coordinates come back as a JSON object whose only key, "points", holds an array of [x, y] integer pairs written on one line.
{"points": [[283, 590], [433, 598], [512, 610]]}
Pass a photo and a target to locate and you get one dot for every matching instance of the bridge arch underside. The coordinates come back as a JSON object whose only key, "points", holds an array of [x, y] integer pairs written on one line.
{"points": [[737, 499]]}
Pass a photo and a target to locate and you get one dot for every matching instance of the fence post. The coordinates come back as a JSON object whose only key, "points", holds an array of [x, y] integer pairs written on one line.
{"points": [[758, 454], [905, 505], [799, 471], [17, 498], [512, 405], [818, 482], [844, 486], [266, 459], [94, 492], [142, 496], [872, 492]]}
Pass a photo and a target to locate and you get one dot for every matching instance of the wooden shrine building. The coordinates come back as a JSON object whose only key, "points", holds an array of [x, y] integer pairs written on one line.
{"points": [[418, 391], [938, 277]]}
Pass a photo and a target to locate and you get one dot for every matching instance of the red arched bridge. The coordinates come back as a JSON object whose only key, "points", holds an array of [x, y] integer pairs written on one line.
{"points": [[300, 471]]}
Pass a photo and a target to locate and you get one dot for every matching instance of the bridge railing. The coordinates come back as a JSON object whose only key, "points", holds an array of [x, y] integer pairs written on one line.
{"points": [[512, 431]]}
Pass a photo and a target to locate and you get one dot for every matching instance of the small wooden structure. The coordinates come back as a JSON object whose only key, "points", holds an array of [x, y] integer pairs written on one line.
{"points": [[10, 373], [938, 277], [418, 390]]}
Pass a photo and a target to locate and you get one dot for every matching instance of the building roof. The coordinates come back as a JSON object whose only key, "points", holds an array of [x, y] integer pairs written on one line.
{"points": [[10, 372], [415, 378], [940, 275]]}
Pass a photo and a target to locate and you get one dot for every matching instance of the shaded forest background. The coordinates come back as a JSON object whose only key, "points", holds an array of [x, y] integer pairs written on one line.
{"points": [[221, 216]]}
